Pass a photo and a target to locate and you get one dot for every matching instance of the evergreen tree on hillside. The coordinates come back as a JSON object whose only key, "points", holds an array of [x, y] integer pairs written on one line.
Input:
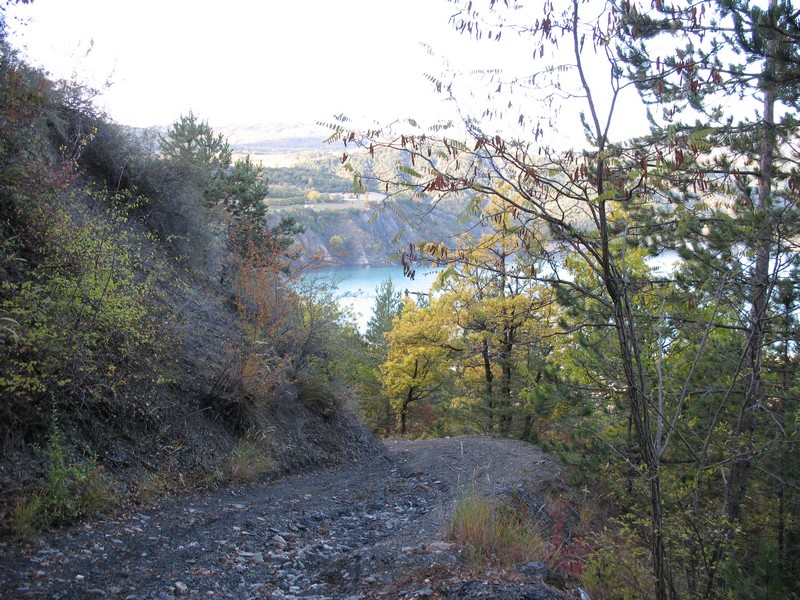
{"points": [[388, 306], [201, 157], [245, 191], [375, 406], [736, 173]]}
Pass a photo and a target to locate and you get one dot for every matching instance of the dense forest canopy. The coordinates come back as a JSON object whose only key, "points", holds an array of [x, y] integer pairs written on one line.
{"points": [[681, 384], [672, 395]]}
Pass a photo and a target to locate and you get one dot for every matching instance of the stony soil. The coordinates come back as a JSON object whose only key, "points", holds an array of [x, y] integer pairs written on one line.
{"points": [[369, 529]]}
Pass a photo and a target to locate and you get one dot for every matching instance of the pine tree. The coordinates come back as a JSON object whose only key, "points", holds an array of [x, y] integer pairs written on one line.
{"points": [[734, 172], [375, 405], [202, 157], [387, 307]]}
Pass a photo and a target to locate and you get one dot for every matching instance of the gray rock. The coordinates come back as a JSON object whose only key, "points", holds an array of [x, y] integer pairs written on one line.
{"points": [[181, 589], [536, 570]]}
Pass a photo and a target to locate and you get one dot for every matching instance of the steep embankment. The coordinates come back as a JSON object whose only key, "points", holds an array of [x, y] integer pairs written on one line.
{"points": [[127, 366], [169, 413]]}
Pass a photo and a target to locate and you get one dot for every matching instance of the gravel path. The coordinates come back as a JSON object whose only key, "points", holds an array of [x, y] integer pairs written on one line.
{"points": [[371, 529]]}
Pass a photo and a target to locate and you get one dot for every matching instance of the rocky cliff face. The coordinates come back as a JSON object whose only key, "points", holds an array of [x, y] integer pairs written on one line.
{"points": [[375, 235]]}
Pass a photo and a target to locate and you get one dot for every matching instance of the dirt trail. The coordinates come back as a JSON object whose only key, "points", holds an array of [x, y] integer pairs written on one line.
{"points": [[369, 529]]}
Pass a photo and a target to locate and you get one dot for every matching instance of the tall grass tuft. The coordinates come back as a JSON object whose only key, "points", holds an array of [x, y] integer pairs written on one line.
{"points": [[492, 532], [249, 461]]}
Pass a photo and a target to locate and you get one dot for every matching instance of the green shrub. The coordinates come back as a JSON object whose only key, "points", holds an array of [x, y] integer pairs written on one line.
{"points": [[70, 490], [79, 318]]}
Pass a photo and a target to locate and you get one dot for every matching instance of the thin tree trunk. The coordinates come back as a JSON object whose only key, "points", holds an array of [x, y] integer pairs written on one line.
{"points": [[742, 463], [389, 423], [488, 378], [640, 415], [626, 332], [508, 345]]}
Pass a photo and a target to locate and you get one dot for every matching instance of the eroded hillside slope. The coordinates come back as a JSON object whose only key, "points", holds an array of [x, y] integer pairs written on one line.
{"points": [[150, 341]]}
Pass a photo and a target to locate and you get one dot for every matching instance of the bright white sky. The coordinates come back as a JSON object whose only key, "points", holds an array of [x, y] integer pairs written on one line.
{"points": [[244, 62], [239, 61]]}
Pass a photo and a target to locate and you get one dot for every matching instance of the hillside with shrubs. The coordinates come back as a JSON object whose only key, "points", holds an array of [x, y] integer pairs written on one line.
{"points": [[156, 333]]}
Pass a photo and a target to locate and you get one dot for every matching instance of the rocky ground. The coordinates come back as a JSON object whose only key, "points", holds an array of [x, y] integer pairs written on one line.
{"points": [[369, 529]]}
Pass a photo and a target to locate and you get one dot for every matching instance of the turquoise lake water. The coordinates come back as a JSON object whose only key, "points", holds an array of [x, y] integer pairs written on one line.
{"points": [[356, 286]]}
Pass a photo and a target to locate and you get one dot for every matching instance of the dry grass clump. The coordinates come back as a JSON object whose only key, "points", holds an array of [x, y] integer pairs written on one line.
{"points": [[249, 461], [493, 532]]}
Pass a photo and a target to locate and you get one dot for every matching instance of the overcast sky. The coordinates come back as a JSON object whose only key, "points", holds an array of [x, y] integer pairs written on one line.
{"points": [[239, 61], [245, 62]]}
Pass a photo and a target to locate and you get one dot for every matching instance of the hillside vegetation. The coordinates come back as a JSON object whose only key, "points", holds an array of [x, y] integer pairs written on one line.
{"points": [[156, 334]]}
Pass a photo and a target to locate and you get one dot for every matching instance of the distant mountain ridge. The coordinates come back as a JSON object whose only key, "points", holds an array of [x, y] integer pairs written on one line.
{"points": [[275, 138]]}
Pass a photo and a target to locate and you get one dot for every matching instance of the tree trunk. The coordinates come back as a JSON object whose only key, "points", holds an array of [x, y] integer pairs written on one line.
{"points": [[640, 415], [506, 350], [488, 377], [389, 424], [630, 355], [404, 409], [507, 369], [742, 463], [403, 420]]}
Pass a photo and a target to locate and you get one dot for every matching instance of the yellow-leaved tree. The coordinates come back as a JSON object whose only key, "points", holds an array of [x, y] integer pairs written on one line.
{"points": [[417, 367]]}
